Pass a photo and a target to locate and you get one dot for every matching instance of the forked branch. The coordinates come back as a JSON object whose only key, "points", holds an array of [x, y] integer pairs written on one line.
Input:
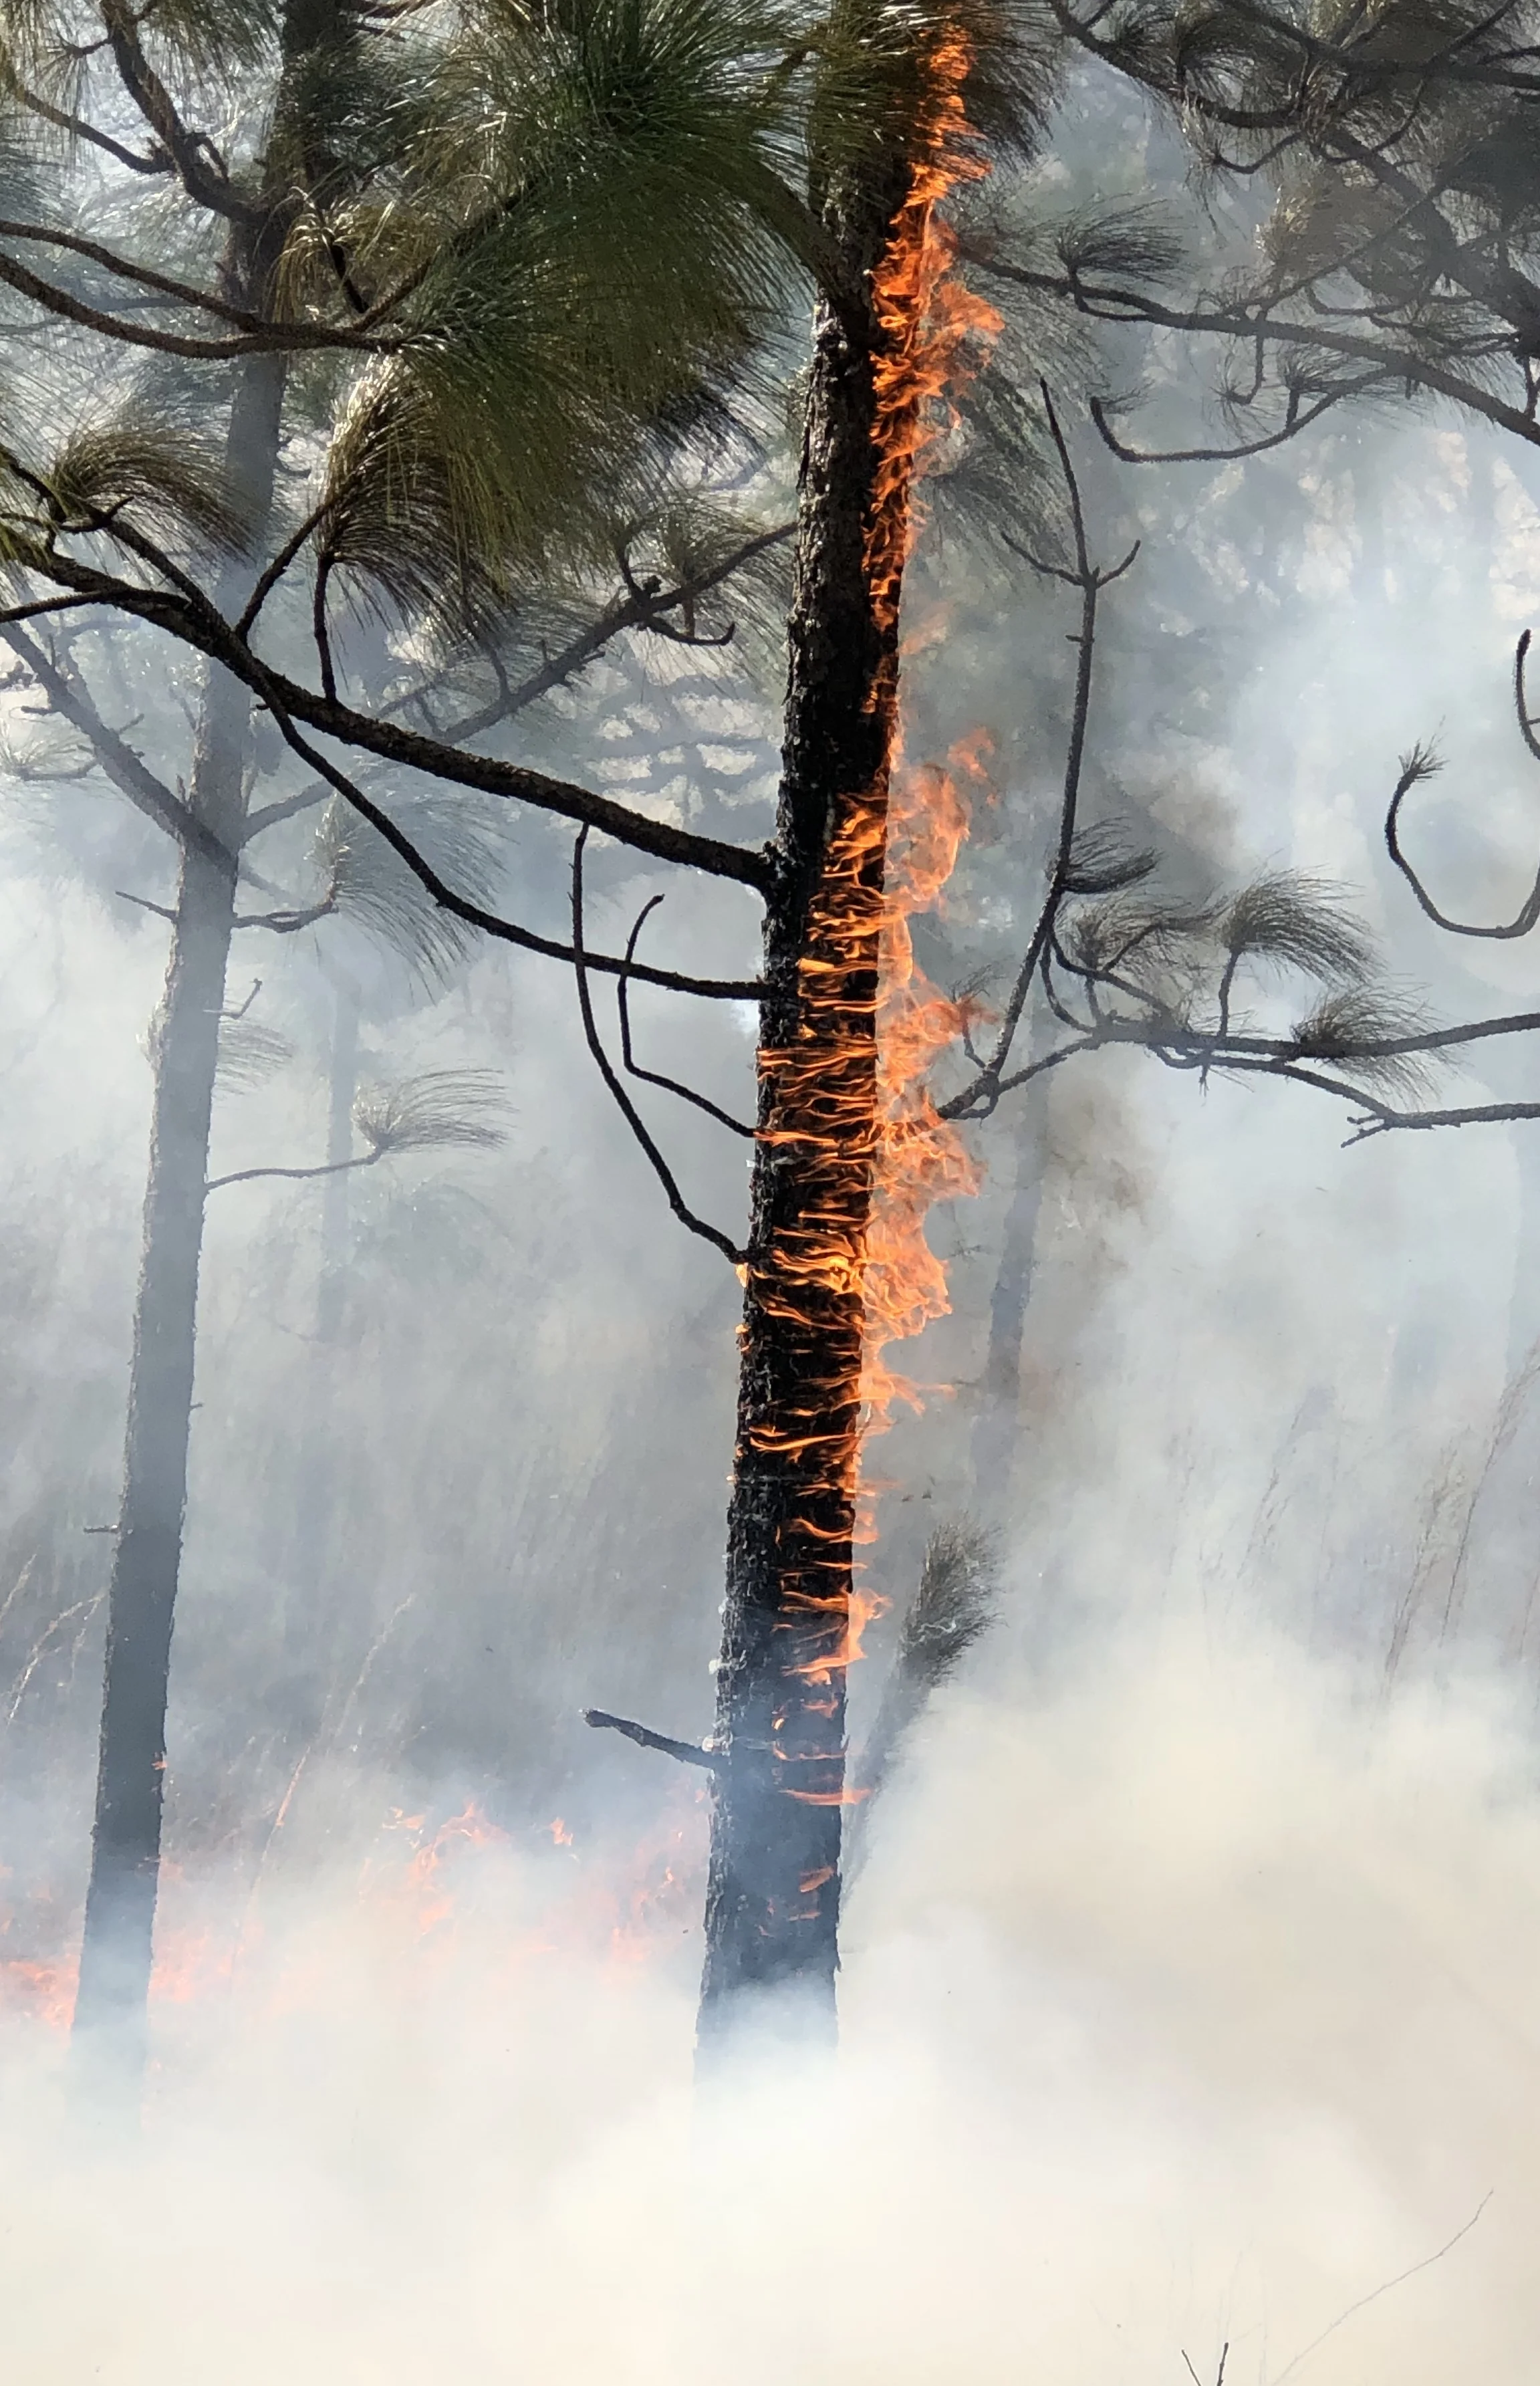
{"points": [[474, 914], [652, 1076], [1422, 763], [624, 1103]]}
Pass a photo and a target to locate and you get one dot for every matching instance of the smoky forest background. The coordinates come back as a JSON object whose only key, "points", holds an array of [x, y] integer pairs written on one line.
{"points": [[1190, 1907]]}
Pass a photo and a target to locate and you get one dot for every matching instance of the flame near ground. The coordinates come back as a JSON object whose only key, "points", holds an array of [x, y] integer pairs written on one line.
{"points": [[1195, 2008], [1192, 2006]]}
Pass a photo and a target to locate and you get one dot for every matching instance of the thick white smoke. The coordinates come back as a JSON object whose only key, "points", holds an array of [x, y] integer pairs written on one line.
{"points": [[1190, 2005]]}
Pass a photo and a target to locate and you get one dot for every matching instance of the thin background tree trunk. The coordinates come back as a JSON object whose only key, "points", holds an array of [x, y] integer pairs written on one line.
{"points": [[997, 1425], [116, 1952], [310, 1637]]}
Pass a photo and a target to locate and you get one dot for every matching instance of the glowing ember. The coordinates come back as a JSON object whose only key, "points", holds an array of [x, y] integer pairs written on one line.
{"points": [[44, 1992]]}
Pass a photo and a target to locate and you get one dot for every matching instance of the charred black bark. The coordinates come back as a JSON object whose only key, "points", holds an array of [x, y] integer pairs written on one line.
{"points": [[772, 1897]]}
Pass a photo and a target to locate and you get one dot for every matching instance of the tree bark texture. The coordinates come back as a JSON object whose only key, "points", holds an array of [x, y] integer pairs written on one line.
{"points": [[772, 1896]]}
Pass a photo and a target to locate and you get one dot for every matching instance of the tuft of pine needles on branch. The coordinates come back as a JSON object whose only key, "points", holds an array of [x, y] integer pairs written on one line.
{"points": [[444, 1109], [1301, 923], [1346, 1028], [954, 1604], [250, 1054]]}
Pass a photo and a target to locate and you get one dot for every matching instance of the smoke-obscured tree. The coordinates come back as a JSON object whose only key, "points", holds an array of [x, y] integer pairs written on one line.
{"points": [[153, 452], [1370, 231], [1375, 203], [541, 273]]}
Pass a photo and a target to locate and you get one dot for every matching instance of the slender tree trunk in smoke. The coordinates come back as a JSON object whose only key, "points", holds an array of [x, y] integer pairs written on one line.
{"points": [[125, 1864], [342, 1092], [996, 1427], [308, 1640], [792, 1613]]}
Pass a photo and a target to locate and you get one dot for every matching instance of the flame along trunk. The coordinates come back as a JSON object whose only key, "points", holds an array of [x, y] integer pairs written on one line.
{"points": [[849, 1152]]}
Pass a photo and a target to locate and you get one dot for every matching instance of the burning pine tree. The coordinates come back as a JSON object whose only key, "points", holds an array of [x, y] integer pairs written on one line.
{"points": [[850, 1151], [533, 256]]}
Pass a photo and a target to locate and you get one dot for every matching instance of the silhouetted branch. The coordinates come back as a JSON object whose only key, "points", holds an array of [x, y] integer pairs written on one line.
{"points": [[185, 613], [643, 608], [286, 808], [1389, 361], [1421, 764], [473, 915], [288, 923], [980, 1097], [130, 775], [326, 1168], [1295, 422], [623, 1102], [78, 130], [651, 1076], [280, 564], [275, 339], [160, 909], [685, 1752], [1399, 2280]]}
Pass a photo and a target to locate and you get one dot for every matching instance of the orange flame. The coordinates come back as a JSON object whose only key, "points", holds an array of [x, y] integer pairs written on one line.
{"points": [[44, 1992], [887, 1157]]}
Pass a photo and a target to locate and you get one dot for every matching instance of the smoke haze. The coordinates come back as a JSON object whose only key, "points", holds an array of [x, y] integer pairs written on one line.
{"points": [[1189, 1985], [1183, 2005]]}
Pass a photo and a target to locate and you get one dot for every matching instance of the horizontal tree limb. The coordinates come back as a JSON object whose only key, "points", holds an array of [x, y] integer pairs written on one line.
{"points": [[687, 1752]]}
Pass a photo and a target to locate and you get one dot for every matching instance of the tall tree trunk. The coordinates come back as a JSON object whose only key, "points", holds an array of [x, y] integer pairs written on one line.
{"points": [[125, 1859], [773, 1889], [309, 1629]]}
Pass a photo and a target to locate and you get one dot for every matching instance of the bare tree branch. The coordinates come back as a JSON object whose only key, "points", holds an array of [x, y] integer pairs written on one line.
{"points": [[980, 1097], [685, 1752], [186, 614], [326, 1168], [1421, 763], [623, 1102], [506, 931], [133, 777], [651, 1076]]}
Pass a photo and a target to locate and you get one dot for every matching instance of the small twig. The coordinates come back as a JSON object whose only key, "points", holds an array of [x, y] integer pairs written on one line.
{"points": [[280, 564], [1218, 2374], [651, 1076], [506, 930], [1090, 579], [685, 1751], [286, 923], [326, 1168], [160, 909], [1364, 2301], [1424, 763], [1295, 422], [623, 1102]]}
